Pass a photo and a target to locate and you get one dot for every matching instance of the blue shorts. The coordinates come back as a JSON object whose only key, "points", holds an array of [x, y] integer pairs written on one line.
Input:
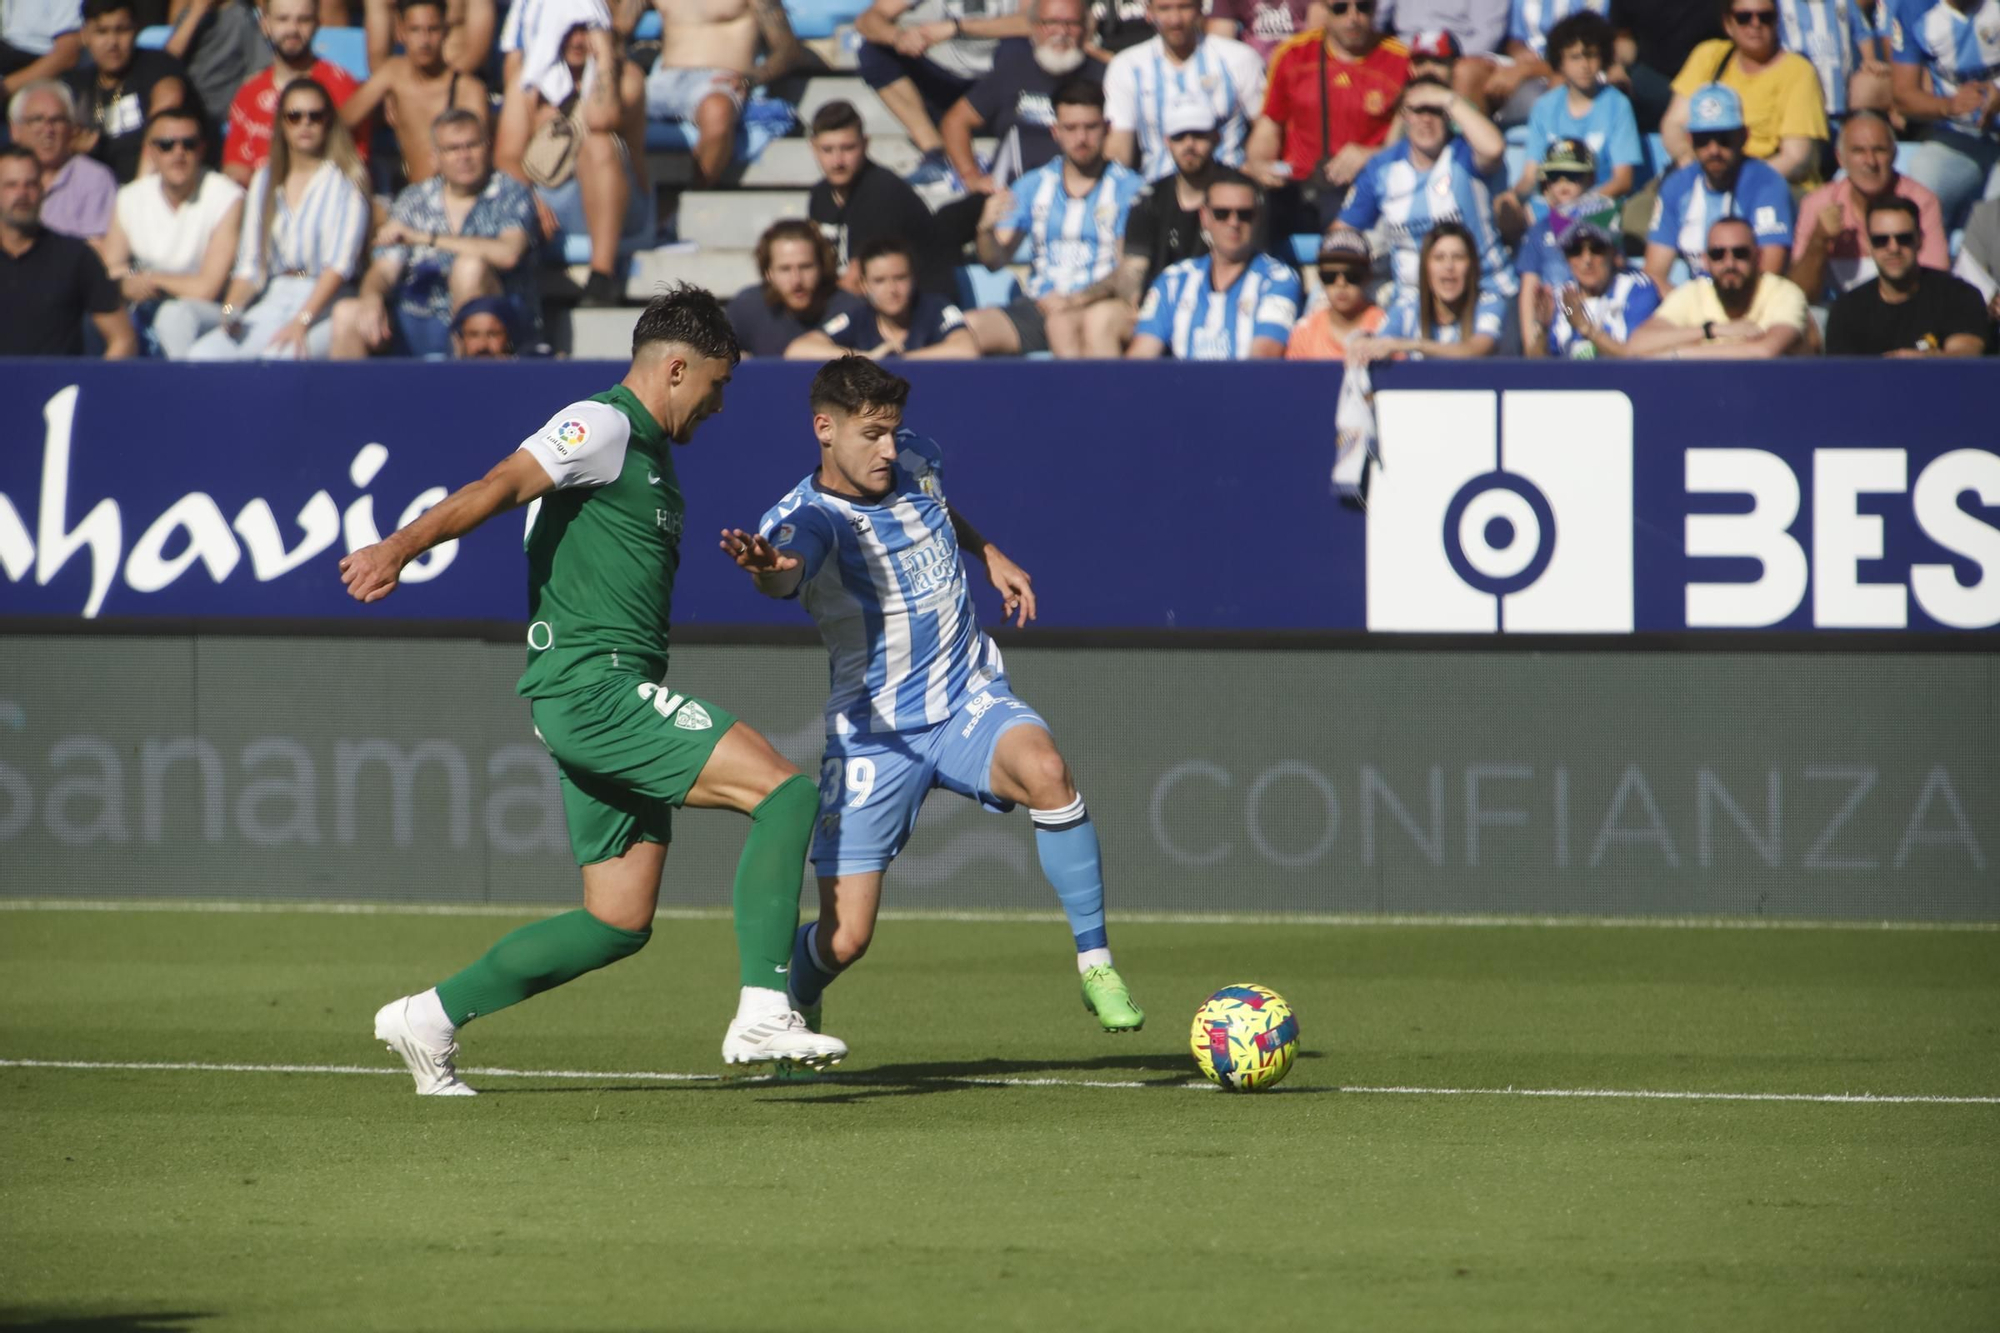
{"points": [[871, 787]]}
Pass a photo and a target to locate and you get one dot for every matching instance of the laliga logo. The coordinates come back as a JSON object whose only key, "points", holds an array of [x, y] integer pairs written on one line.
{"points": [[1502, 511]]}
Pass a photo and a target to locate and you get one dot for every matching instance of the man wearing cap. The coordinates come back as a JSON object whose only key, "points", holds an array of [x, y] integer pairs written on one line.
{"points": [[1735, 313], [1720, 183], [1567, 173], [1594, 313], [1779, 96], [1473, 31], [1327, 110], [1830, 253], [483, 330]]}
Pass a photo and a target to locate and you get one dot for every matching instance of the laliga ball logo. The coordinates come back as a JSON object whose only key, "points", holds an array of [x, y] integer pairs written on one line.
{"points": [[571, 434], [1245, 1038]]}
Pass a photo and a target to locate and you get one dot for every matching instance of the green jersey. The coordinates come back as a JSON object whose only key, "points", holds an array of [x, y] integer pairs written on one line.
{"points": [[603, 548]]}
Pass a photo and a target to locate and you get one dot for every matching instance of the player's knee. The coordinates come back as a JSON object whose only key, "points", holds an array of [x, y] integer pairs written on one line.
{"points": [[1045, 776], [849, 941], [793, 797]]}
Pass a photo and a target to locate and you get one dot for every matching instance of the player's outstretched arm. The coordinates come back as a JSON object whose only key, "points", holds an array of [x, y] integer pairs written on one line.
{"points": [[1012, 581], [776, 573], [371, 572]]}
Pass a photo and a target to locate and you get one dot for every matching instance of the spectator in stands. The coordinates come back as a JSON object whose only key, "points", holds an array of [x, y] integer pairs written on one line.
{"points": [[1327, 110], [708, 65], [467, 232], [1720, 183], [1012, 102], [1264, 25], [1472, 30], [120, 88], [1908, 308], [576, 132], [469, 27], [1233, 303], [1655, 39], [1567, 173], [1073, 211], [417, 87], [39, 40], [1431, 177], [920, 56], [174, 236], [1830, 254], [1583, 107], [1837, 40], [858, 202], [1450, 316], [1737, 312], [1778, 92], [1345, 309], [1946, 56], [483, 330], [77, 193], [304, 220], [1593, 314], [221, 42], [291, 26], [49, 283], [1181, 59], [1979, 256], [898, 321], [1112, 26], [1514, 88], [1872, 86], [797, 295]]}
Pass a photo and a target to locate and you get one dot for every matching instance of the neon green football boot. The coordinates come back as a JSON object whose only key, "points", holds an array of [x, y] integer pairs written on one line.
{"points": [[1106, 995]]}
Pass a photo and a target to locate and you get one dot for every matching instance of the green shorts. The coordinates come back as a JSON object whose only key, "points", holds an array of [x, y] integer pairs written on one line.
{"points": [[628, 751]]}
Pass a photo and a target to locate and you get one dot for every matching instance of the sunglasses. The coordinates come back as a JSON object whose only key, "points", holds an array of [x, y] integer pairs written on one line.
{"points": [[1754, 18], [1339, 7], [1189, 134], [1883, 240], [1704, 138], [1591, 246], [305, 117], [1234, 214], [191, 144], [1741, 253], [1334, 277]]}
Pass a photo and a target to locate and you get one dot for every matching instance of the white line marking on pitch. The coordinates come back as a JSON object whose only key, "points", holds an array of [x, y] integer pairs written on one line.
{"points": [[251, 908], [861, 1077]]}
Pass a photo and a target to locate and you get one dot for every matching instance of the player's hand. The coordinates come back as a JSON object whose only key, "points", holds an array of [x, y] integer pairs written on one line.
{"points": [[752, 552], [372, 572], [1017, 598]]}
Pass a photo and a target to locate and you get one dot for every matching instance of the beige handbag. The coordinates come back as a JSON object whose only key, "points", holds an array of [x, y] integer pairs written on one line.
{"points": [[550, 157]]}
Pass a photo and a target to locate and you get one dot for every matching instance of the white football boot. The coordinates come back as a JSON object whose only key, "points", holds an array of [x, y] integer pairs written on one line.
{"points": [[433, 1066], [780, 1035]]}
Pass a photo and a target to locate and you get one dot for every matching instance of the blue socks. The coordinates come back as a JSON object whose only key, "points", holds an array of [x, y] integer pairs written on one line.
{"points": [[809, 976], [1066, 840]]}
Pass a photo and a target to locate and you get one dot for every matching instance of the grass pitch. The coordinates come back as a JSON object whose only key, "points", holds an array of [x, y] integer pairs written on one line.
{"points": [[939, 1182]]}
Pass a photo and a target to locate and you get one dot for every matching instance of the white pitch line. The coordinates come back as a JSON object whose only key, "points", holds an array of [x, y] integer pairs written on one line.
{"points": [[981, 1080], [953, 915]]}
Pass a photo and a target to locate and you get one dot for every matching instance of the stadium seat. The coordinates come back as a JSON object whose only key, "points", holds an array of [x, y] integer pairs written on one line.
{"points": [[1658, 160], [1305, 248], [154, 38], [345, 47], [1906, 151], [981, 288]]}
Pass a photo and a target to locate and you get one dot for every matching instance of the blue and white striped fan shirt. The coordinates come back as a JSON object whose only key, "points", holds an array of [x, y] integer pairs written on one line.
{"points": [[1823, 31], [1198, 323], [1141, 80], [886, 585], [1410, 200], [1956, 49], [1075, 239], [325, 233]]}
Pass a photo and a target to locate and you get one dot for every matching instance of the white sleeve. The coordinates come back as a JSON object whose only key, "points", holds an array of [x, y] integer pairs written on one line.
{"points": [[1252, 80], [1121, 93], [582, 445]]}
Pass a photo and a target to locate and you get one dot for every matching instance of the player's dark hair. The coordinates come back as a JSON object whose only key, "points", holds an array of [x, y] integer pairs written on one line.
{"points": [[1591, 31], [97, 9], [1079, 92], [834, 116], [1895, 203], [690, 315], [882, 248], [858, 387]]}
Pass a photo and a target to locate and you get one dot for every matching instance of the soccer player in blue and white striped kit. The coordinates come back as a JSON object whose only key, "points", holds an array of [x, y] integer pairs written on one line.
{"points": [[920, 697]]}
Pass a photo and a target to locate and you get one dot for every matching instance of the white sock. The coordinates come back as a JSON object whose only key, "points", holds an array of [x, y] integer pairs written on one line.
{"points": [[761, 1002], [1090, 958], [426, 1014]]}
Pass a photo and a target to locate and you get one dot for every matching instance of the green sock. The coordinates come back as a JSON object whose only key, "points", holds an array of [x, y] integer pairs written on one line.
{"points": [[767, 880], [534, 959]]}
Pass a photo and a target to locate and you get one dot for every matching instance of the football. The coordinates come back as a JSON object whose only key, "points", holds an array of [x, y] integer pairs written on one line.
{"points": [[1245, 1037]]}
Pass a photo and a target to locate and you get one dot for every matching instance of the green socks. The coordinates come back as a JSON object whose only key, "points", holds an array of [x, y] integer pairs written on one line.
{"points": [[767, 881], [544, 955]]}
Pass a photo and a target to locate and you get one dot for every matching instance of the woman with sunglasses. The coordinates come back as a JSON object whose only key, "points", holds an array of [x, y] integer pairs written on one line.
{"points": [[305, 219], [1346, 309], [1783, 108], [1451, 318], [173, 236]]}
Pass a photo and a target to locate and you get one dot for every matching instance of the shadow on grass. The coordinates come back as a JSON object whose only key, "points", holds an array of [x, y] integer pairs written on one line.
{"points": [[59, 1321]]}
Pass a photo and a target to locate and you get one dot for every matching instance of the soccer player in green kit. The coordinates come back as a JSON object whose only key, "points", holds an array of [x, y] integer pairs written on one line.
{"points": [[602, 553]]}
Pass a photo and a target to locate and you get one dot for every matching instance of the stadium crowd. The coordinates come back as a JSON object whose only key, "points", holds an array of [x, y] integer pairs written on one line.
{"points": [[1312, 179]]}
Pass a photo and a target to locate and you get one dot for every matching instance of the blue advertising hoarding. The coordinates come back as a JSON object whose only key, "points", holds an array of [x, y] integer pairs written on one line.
{"points": [[1512, 497]]}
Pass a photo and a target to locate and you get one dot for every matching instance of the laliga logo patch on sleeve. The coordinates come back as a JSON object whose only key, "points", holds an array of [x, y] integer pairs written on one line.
{"points": [[568, 436]]}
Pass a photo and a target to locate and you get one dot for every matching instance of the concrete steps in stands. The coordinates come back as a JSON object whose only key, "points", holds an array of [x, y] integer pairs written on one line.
{"points": [[734, 218]]}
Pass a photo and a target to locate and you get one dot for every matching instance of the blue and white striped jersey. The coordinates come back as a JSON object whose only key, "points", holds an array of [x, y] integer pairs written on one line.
{"points": [[325, 233], [1140, 80], [1626, 304], [886, 585], [1824, 32], [1198, 323], [1489, 316], [1529, 21], [1688, 206], [1955, 48], [1393, 190], [1075, 240]]}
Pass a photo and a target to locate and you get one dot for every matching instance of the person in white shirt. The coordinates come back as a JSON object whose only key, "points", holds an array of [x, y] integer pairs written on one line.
{"points": [[1182, 59], [173, 237]]}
